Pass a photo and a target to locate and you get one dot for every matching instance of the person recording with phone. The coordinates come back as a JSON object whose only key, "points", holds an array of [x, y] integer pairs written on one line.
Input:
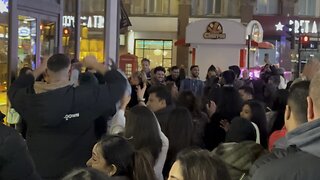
{"points": [[138, 78]]}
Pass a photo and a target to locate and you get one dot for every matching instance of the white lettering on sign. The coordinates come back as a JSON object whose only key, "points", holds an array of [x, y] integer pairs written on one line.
{"points": [[4, 6], [314, 27], [303, 26], [307, 26], [87, 21]]}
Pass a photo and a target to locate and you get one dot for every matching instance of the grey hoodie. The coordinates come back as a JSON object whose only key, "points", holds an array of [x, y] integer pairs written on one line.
{"points": [[306, 137]]}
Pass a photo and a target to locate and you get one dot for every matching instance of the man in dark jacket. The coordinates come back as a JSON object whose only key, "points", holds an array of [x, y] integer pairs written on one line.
{"points": [[15, 160], [60, 117], [160, 103], [174, 76], [299, 157]]}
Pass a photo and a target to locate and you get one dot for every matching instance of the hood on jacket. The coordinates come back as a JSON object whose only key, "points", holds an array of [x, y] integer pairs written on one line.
{"points": [[306, 137], [241, 155], [42, 87]]}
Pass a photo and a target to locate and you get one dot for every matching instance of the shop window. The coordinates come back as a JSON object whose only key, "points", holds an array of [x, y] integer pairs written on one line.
{"points": [[69, 35], [155, 7], [159, 52], [267, 7], [92, 26], [305, 8], [27, 42], [215, 7], [4, 21]]}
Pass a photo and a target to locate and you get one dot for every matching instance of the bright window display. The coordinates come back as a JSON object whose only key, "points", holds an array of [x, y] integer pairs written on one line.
{"points": [[159, 52], [4, 21], [69, 34], [92, 29]]}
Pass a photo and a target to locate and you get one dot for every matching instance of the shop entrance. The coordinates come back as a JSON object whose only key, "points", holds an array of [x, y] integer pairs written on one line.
{"points": [[37, 38]]}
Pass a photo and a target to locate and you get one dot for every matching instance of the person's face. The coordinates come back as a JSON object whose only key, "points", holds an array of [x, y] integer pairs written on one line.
{"points": [[160, 76], [211, 74], [266, 59], [134, 80], [154, 103], [97, 160], [145, 66], [245, 96], [175, 73], [246, 112], [195, 72], [245, 74], [176, 172]]}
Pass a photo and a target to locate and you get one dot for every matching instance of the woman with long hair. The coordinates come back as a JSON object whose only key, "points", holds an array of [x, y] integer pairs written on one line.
{"points": [[254, 111], [144, 133], [116, 157], [198, 165], [188, 100], [180, 131]]}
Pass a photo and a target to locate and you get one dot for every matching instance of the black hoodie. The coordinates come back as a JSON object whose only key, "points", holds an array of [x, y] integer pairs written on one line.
{"points": [[60, 133], [15, 160]]}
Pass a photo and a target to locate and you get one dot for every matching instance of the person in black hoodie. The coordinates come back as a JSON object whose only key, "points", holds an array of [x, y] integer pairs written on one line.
{"points": [[60, 117], [15, 160]]}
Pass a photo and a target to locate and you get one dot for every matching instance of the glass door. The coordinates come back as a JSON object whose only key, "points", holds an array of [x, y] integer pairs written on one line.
{"points": [[37, 38], [27, 40], [48, 38]]}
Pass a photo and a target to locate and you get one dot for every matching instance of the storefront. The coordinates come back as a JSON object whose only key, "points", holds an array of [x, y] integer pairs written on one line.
{"points": [[275, 31], [223, 43], [28, 32], [33, 29]]}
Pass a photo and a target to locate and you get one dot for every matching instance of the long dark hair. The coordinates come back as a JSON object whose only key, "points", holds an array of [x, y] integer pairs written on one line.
{"points": [[143, 131], [258, 116], [180, 130], [133, 164], [190, 101], [199, 164]]}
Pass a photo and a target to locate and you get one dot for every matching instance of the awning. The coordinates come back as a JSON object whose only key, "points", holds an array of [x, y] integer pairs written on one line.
{"points": [[261, 45], [181, 42]]}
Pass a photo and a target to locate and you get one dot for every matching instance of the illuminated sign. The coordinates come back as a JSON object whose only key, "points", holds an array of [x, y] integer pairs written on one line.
{"points": [[4, 6], [24, 31], [305, 26], [87, 21], [214, 31]]}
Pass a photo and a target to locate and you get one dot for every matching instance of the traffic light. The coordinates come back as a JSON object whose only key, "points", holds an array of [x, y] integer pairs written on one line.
{"points": [[305, 39], [66, 31], [291, 36]]}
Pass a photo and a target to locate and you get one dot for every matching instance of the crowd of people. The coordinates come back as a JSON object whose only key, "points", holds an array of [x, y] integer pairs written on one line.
{"points": [[98, 124]]}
